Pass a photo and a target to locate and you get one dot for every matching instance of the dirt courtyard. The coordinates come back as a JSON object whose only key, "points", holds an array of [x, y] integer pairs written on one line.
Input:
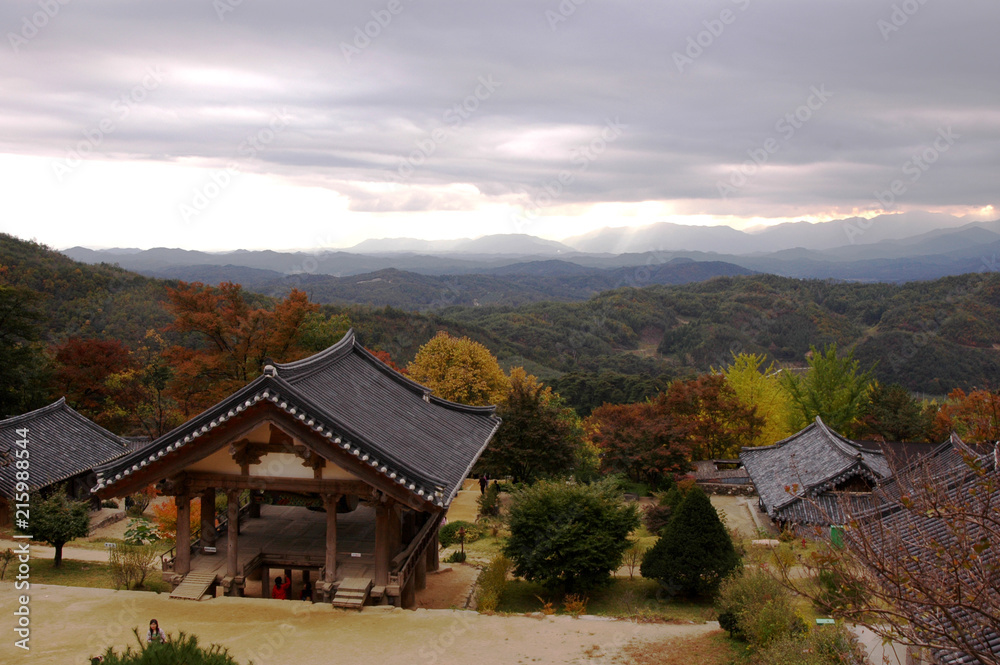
{"points": [[69, 624]]}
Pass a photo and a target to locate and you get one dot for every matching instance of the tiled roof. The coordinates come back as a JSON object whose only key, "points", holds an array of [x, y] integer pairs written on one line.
{"points": [[61, 444], [424, 443], [961, 473], [806, 465]]}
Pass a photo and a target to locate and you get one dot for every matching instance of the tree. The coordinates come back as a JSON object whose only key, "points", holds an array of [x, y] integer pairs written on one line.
{"points": [[82, 370], [138, 397], [695, 552], [644, 440], [23, 366], [833, 389], [460, 370], [539, 436], [569, 536], [974, 416], [923, 568], [56, 520], [717, 423], [891, 413], [761, 388]]}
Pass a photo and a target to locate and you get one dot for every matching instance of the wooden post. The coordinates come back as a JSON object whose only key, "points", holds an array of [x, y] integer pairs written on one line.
{"points": [[433, 548], [330, 503], [395, 530], [408, 595], [265, 582], [182, 564], [409, 526], [232, 533], [208, 533], [383, 515], [420, 573]]}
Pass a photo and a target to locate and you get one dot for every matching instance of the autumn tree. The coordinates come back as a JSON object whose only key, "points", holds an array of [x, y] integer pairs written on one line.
{"points": [[460, 370], [834, 388], [975, 416], [82, 369], [643, 440], [539, 436], [236, 336], [755, 385], [138, 399], [716, 423]]}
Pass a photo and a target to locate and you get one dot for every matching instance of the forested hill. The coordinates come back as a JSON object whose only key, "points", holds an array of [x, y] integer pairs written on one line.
{"points": [[928, 336]]}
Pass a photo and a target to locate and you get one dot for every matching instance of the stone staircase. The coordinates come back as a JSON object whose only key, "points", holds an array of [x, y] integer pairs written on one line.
{"points": [[352, 593]]}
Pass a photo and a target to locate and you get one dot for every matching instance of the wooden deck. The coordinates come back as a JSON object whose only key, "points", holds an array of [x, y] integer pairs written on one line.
{"points": [[295, 537]]}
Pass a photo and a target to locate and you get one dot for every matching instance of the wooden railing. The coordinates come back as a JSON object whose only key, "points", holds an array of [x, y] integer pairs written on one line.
{"points": [[404, 562]]}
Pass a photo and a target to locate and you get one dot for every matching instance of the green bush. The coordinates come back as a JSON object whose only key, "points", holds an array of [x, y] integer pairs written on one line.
{"points": [[695, 552], [489, 502], [567, 535], [109, 503], [448, 535], [755, 608], [141, 532], [130, 565], [836, 592], [491, 583], [825, 645], [182, 649], [456, 557]]}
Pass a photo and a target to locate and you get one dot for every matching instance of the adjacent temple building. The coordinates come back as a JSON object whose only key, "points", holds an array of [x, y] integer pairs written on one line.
{"points": [[335, 465]]}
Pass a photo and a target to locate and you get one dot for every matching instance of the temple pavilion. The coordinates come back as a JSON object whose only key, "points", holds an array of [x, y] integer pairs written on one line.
{"points": [[335, 465]]}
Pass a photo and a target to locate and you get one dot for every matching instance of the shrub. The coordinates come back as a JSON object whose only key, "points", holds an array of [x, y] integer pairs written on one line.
{"points": [[5, 559], [567, 535], [448, 535], [575, 604], [140, 532], [136, 504], [754, 607], [165, 517], [182, 649], [633, 556], [109, 503], [837, 593], [491, 583], [657, 516], [130, 564], [826, 645], [489, 502], [456, 557], [695, 552]]}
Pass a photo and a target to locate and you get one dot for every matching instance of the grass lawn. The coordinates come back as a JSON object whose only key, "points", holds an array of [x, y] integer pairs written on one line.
{"points": [[711, 649], [86, 574], [622, 598]]}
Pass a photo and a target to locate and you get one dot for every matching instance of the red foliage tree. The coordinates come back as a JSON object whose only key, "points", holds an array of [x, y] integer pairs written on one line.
{"points": [[82, 369]]}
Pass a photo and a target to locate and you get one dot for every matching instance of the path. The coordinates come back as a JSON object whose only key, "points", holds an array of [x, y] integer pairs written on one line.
{"points": [[69, 624]]}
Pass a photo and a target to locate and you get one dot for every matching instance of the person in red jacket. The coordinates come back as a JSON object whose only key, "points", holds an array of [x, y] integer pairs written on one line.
{"points": [[280, 591]]}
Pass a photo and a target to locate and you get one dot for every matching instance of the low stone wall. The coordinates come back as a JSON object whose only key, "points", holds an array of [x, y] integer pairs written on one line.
{"points": [[727, 489]]}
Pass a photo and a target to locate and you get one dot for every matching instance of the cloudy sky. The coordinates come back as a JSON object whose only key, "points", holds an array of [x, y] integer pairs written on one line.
{"points": [[220, 124]]}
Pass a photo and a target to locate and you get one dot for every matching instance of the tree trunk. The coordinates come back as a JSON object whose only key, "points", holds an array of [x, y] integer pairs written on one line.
{"points": [[57, 561]]}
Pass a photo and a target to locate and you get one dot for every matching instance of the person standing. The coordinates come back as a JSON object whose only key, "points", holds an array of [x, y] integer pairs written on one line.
{"points": [[279, 591], [155, 633], [483, 482]]}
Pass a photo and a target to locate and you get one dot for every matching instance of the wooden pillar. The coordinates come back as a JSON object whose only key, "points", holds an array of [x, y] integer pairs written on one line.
{"points": [[330, 503], [408, 594], [182, 564], [395, 530], [409, 526], [383, 515], [208, 533], [232, 532], [433, 562], [265, 582], [420, 573]]}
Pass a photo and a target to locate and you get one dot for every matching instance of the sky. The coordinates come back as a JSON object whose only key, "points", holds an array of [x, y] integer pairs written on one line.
{"points": [[226, 124]]}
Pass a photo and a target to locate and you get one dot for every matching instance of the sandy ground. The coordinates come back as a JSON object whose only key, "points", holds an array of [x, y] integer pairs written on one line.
{"points": [[69, 624]]}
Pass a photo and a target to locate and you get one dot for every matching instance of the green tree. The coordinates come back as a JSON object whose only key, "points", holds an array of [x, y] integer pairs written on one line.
{"points": [[834, 389], [460, 370], [695, 552], [56, 520], [23, 366], [569, 536], [891, 413], [539, 436], [761, 388]]}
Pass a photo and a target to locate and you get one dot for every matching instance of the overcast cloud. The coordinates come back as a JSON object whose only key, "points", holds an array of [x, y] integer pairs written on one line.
{"points": [[247, 123]]}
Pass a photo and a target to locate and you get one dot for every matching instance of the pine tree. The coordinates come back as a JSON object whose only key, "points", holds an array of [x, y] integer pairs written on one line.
{"points": [[695, 552]]}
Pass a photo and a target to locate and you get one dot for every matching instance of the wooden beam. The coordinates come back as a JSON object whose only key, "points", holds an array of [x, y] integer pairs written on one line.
{"points": [[182, 564], [199, 480]]}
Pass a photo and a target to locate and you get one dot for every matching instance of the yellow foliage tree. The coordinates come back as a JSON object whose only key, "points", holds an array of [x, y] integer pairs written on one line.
{"points": [[761, 388], [460, 370]]}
